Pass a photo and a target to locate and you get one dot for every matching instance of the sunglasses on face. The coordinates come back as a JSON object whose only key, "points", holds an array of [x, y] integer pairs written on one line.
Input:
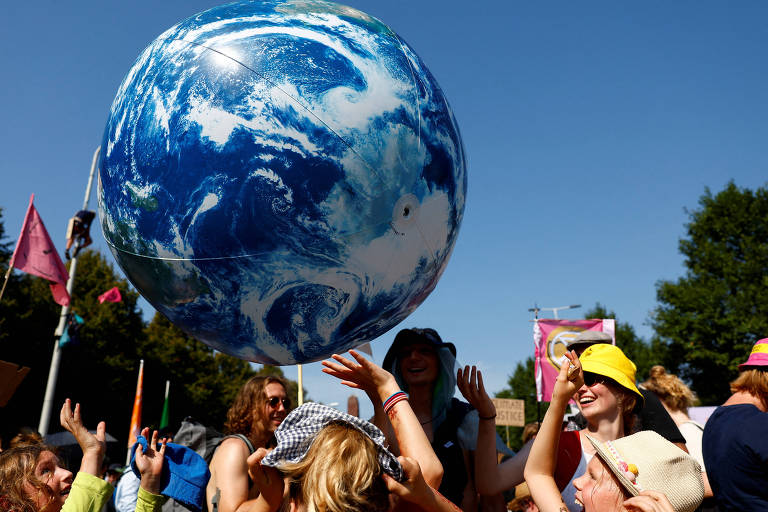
{"points": [[276, 400], [590, 379]]}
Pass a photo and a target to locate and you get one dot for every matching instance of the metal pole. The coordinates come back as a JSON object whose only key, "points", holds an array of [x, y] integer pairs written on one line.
{"points": [[301, 386], [53, 372]]}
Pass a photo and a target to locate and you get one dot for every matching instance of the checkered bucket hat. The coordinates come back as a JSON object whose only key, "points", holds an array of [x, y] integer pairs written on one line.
{"points": [[299, 429]]}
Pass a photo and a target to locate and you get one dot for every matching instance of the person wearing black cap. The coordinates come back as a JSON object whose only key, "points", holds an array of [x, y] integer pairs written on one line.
{"points": [[423, 365]]}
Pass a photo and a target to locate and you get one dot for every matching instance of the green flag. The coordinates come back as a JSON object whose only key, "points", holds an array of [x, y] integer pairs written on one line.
{"points": [[165, 419]]}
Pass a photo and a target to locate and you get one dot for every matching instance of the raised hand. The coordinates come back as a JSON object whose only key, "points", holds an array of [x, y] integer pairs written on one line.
{"points": [[93, 446], [267, 479], [570, 378], [150, 462], [364, 374], [470, 384]]}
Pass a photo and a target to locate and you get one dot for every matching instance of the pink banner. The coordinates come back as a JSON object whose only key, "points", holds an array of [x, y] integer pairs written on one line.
{"points": [[35, 254], [550, 339]]}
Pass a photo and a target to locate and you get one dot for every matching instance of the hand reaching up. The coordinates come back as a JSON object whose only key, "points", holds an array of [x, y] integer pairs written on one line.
{"points": [[150, 462], [93, 446], [267, 480], [365, 375], [470, 384], [570, 378]]}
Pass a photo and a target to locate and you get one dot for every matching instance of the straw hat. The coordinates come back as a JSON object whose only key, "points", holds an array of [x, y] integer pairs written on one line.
{"points": [[647, 462], [758, 358], [610, 361]]}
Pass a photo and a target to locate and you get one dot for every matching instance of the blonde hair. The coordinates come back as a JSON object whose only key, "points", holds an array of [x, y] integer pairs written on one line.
{"points": [[339, 473], [17, 467], [754, 382], [670, 389]]}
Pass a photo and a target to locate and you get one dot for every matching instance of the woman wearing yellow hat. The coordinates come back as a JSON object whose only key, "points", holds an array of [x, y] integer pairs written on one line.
{"points": [[608, 400]]}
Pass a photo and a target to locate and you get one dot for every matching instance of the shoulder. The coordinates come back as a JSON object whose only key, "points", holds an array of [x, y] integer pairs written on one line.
{"points": [[229, 450]]}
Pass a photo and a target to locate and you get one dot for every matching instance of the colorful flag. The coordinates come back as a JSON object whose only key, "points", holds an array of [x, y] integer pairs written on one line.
{"points": [[136, 414], [70, 334], [550, 338], [111, 295], [35, 254], [165, 418]]}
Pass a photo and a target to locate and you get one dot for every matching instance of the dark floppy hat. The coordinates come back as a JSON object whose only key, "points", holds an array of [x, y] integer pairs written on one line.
{"points": [[413, 336], [587, 338]]}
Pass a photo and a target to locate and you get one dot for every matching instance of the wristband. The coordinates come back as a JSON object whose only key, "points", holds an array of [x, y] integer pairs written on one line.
{"points": [[487, 417], [393, 399]]}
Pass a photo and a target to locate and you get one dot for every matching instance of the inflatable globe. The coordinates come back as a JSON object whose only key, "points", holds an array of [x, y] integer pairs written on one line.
{"points": [[282, 179]]}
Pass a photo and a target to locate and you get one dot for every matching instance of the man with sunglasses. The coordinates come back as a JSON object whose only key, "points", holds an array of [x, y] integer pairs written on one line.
{"points": [[258, 409]]}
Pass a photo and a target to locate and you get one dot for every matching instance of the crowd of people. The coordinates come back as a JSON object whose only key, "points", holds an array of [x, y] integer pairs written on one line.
{"points": [[631, 447]]}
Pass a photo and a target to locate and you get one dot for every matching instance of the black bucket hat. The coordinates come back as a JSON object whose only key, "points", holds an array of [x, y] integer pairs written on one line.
{"points": [[413, 336]]}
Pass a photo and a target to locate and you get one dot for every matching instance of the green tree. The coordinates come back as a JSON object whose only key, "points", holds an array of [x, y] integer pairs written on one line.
{"points": [[633, 346], [707, 320]]}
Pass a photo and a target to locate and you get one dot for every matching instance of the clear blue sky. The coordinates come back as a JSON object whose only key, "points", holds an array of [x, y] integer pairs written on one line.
{"points": [[589, 128]]}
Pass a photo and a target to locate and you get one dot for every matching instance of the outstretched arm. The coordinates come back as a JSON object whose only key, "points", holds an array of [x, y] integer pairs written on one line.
{"points": [[93, 446], [379, 384], [490, 477], [540, 468]]}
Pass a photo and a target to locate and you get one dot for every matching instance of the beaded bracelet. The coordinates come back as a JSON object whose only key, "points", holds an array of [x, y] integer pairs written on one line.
{"points": [[392, 400]]}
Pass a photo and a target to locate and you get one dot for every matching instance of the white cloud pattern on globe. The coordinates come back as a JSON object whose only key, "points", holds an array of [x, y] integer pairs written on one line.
{"points": [[282, 180]]}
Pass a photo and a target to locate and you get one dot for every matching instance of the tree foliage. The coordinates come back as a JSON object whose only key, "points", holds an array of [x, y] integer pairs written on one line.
{"points": [[633, 346], [522, 386], [707, 320], [100, 371]]}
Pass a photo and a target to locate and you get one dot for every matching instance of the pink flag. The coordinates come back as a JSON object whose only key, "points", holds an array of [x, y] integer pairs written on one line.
{"points": [[550, 337], [111, 295], [35, 254]]}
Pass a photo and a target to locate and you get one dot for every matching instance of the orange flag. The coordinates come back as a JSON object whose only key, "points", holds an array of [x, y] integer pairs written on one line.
{"points": [[35, 254], [136, 415]]}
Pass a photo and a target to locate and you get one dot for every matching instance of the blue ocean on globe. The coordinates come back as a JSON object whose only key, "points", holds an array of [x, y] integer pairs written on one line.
{"points": [[282, 179]]}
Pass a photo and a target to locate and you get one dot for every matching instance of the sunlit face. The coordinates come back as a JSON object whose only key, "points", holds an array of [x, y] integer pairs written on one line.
{"points": [[276, 405], [58, 480], [597, 489], [418, 364], [598, 401]]}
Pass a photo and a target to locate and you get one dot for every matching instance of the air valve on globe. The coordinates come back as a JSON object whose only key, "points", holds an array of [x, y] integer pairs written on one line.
{"points": [[282, 179]]}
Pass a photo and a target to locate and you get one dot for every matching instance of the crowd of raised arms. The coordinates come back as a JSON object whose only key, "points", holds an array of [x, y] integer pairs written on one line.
{"points": [[631, 447]]}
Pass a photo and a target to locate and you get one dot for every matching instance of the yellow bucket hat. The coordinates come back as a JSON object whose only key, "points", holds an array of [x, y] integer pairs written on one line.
{"points": [[609, 361]]}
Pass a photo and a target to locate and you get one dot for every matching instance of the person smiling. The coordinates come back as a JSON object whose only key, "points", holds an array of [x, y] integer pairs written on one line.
{"points": [[259, 408], [31, 479], [641, 472], [608, 399]]}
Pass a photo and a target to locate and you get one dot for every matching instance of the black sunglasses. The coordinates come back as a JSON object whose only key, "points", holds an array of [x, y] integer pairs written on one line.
{"points": [[276, 400], [590, 379]]}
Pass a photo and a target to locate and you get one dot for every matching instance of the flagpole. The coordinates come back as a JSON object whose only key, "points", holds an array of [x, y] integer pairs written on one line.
{"points": [[301, 386], [53, 371], [13, 256]]}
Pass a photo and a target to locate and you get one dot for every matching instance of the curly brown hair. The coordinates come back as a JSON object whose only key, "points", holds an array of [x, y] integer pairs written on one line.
{"points": [[246, 415], [17, 467], [670, 389]]}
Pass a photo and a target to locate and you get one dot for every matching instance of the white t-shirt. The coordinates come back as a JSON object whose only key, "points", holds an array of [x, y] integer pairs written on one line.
{"points": [[693, 432]]}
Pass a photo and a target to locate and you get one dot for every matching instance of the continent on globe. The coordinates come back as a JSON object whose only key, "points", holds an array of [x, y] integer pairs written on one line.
{"points": [[282, 179]]}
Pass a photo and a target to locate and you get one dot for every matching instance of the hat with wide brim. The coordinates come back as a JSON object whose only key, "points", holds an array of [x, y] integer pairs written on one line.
{"points": [[647, 462], [414, 336], [758, 358], [609, 361]]}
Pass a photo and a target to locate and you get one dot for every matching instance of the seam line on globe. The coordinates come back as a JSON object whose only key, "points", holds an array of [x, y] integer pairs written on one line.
{"points": [[342, 139]]}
